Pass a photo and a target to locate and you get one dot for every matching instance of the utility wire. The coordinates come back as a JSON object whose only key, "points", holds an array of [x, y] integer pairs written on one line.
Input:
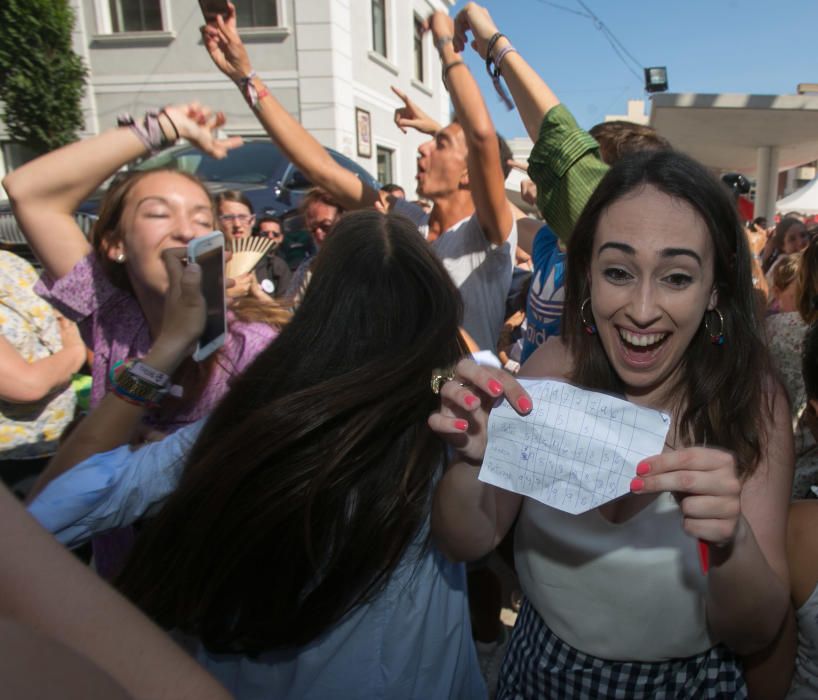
{"points": [[564, 8], [619, 48]]}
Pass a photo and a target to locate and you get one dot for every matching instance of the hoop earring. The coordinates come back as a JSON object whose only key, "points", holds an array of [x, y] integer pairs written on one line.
{"points": [[590, 328], [120, 258], [715, 338]]}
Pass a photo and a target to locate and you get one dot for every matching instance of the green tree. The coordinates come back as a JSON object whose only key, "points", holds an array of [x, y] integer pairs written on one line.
{"points": [[41, 78]]}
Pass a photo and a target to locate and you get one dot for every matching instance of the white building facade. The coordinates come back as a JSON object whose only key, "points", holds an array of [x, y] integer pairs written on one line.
{"points": [[329, 62]]}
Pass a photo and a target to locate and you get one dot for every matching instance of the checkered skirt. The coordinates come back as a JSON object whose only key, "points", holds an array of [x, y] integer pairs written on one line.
{"points": [[540, 665]]}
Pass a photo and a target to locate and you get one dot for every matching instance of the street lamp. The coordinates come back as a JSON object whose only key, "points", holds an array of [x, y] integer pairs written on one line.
{"points": [[656, 79]]}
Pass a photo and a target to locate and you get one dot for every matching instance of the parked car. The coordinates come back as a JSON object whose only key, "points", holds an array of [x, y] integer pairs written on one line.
{"points": [[258, 169]]}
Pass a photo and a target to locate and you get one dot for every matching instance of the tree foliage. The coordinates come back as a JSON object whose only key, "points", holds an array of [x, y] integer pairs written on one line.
{"points": [[41, 78]]}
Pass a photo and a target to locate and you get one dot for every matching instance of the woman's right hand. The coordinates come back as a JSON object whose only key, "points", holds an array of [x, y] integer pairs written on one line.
{"points": [[185, 311], [199, 125], [466, 402]]}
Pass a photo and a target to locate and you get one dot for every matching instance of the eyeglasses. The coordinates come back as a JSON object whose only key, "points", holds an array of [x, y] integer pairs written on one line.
{"points": [[241, 218]]}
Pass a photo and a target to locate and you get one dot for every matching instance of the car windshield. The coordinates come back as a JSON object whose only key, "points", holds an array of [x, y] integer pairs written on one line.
{"points": [[253, 162]]}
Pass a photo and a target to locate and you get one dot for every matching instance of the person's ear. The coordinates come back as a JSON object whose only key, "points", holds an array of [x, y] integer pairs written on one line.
{"points": [[115, 251], [714, 299]]}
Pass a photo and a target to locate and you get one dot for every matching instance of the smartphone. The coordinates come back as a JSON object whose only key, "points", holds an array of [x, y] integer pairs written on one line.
{"points": [[211, 8], [208, 253]]}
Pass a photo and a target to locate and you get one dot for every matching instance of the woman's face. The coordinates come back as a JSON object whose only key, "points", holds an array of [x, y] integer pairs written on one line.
{"points": [[651, 282], [236, 219], [162, 210], [795, 239]]}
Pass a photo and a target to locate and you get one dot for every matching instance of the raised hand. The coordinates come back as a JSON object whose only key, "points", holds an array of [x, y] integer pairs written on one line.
{"points": [[222, 41], [440, 24], [413, 117], [198, 124], [466, 402], [706, 484], [478, 21]]}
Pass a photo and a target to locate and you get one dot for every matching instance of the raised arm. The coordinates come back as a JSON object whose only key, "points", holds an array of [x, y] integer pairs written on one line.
{"points": [[225, 47], [45, 192], [564, 162], [486, 179]]}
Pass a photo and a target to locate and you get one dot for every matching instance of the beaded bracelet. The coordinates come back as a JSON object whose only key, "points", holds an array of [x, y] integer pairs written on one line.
{"points": [[139, 384]]}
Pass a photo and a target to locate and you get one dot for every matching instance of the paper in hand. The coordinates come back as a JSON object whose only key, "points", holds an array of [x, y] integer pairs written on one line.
{"points": [[576, 450]]}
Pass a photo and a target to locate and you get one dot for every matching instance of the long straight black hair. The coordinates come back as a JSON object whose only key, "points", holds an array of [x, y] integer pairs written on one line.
{"points": [[721, 387], [314, 474]]}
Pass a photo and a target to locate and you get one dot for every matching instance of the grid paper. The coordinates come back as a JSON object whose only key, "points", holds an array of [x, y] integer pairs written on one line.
{"points": [[576, 450]]}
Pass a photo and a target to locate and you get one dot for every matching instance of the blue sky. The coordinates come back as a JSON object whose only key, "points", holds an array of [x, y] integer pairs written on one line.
{"points": [[747, 46]]}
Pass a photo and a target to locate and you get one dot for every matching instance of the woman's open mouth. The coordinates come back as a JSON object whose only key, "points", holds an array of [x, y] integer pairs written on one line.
{"points": [[641, 348]]}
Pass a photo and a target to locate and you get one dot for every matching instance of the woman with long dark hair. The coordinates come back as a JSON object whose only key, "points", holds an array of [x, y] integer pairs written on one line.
{"points": [[658, 309], [294, 552]]}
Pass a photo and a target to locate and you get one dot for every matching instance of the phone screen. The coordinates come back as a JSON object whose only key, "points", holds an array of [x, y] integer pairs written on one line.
{"points": [[213, 291]]}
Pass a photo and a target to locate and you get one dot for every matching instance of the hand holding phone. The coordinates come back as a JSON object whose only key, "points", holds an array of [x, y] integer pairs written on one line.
{"points": [[208, 253], [211, 8]]}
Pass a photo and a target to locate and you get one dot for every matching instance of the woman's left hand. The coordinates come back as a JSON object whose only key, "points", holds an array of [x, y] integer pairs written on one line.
{"points": [[706, 484], [223, 43]]}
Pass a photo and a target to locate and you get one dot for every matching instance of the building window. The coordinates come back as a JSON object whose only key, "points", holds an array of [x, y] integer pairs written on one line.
{"points": [[136, 16], [379, 26], [385, 158], [418, 50], [257, 13]]}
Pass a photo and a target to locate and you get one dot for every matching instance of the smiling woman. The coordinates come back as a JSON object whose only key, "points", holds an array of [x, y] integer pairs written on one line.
{"points": [[658, 308], [114, 287]]}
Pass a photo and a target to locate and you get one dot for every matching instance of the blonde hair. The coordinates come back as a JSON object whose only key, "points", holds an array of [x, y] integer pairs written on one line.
{"points": [[786, 270]]}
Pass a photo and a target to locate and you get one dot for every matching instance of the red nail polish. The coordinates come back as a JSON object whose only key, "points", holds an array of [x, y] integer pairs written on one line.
{"points": [[461, 424], [524, 404], [642, 468], [495, 387], [637, 484], [470, 400]]}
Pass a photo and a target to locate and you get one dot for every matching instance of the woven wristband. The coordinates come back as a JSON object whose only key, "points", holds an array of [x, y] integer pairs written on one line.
{"points": [[149, 132], [248, 89], [494, 73]]}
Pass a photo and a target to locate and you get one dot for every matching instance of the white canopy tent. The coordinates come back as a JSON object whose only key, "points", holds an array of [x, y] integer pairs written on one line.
{"points": [[804, 200]]}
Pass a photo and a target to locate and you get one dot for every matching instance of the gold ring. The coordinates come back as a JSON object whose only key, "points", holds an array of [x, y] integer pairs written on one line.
{"points": [[440, 377]]}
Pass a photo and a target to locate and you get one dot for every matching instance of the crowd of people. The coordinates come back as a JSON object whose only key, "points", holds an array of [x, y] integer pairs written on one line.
{"points": [[296, 511]]}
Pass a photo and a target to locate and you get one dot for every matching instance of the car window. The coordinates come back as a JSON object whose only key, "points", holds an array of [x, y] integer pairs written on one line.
{"points": [[296, 180], [254, 162]]}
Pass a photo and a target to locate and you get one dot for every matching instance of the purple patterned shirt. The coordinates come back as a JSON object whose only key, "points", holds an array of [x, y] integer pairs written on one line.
{"points": [[113, 326]]}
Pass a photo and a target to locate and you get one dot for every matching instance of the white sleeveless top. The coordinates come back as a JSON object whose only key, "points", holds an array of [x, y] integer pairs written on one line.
{"points": [[805, 681], [626, 592]]}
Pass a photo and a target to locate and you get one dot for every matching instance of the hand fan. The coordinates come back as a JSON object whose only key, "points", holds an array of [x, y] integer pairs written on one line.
{"points": [[246, 254]]}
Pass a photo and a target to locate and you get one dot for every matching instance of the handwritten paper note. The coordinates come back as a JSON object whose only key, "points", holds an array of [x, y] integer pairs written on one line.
{"points": [[576, 450]]}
